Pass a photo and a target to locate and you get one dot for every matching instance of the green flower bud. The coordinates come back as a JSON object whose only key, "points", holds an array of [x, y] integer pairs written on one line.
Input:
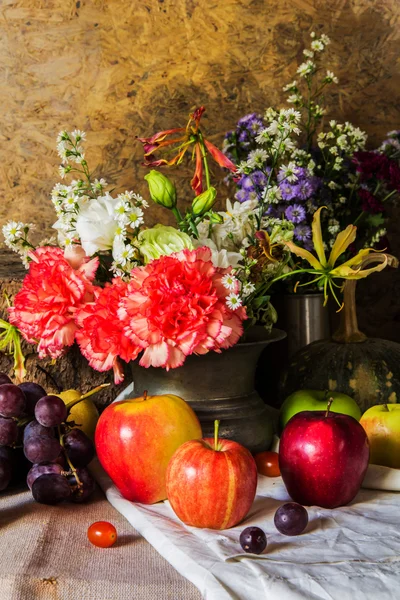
{"points": [[162, 240], [162, 190], [216, 218], [204, 202]]}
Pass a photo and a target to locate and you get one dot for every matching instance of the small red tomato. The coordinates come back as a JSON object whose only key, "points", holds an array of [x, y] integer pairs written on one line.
{"points": [[268, 463], [102, 534]]}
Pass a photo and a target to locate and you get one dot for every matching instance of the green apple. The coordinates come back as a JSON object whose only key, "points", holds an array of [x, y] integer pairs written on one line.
{"points": [[382, 426], [317, 400]]}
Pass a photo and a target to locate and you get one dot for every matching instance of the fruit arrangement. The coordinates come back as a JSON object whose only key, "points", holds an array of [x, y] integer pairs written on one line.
{"points": [[57, 447]]}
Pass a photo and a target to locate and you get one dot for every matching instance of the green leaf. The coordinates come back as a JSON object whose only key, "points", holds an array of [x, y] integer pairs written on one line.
{"points": [[260, 301]]}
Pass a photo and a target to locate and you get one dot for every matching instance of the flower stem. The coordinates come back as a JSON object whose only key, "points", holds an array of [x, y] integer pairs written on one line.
{"points": [[216, 429], [204, 157]]}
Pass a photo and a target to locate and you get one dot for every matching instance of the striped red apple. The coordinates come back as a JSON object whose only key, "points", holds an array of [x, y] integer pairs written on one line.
{"points": [[211, 482], [136, 438]]}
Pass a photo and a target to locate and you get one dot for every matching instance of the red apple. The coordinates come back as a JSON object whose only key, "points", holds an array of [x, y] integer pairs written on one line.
{"points": [[136, 438], [211, 482], [323, 457]]}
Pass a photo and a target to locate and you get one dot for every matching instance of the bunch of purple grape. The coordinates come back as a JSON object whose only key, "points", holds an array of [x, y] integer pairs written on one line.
{"points": [[59, 451]]}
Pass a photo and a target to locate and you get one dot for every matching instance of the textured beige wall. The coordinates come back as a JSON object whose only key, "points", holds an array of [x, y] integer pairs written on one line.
{"points": [[122, 68]]}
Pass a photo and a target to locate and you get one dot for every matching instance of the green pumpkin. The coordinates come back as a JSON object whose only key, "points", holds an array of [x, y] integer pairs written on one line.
{"points": [[368, 371]]}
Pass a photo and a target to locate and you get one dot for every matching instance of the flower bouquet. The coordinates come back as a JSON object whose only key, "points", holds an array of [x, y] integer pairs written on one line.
{"points": [[121, 290], [291, 164]]}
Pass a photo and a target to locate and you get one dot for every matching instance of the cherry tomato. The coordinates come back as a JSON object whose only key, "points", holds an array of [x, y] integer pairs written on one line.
{"points": [[268, 463], [102, 534]]}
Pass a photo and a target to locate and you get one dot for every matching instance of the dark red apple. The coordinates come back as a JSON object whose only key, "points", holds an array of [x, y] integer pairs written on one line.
{"points": [[323, 457]]}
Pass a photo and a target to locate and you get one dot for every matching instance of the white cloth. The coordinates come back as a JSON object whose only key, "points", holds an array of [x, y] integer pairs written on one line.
{"points": [[349, 553]]}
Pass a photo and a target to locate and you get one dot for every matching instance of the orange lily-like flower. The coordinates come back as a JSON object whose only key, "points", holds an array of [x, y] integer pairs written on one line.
{"points": [[189, 136]]}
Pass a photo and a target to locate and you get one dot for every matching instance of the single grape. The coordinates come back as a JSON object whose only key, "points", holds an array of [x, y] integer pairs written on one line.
{"points": [[50, 411], [291, 518], [36, 429], [79, 447], [8, 431], [83, 492], [12, 401], [39, 449], [51, 488], [33, 392], [42, 469], [5, 473], [253, 539], [4, 378]]}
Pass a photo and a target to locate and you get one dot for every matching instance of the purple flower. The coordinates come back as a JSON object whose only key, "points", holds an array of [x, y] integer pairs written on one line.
{"points": [[288, 191], [302, 233], [304, 189], [259, 179], [295, 213]]}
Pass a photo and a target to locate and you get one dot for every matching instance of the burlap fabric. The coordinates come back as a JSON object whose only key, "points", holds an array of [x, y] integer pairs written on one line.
{"points": [[45, 555]]}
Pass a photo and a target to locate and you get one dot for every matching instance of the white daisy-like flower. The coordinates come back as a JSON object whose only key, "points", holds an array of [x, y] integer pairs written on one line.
{"points": [[248, 288], [139, 200], [308, 53], [99, 184], [13, 230], [120, 233], [288, 173], [123, 206], [70, 203], [331, 77], [233, 301], [270, 113], [124, 255], [258, 157], [63, 152], [136, 217], [62, 136], [325, 39], [317, 45], [294, 99], [289, 86], [273, 195], [292, 115], [229, 281], [306, 68], [78, 135]]}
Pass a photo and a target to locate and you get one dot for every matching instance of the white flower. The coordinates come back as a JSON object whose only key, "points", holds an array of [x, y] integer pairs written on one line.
{"points": [[96, 224], [233, 301], [79, 157], [308, 53], [136, 217], [332, 185], [229, 281], [313, 34], [78, 135], [248, 288], [306, 68], [99, 184], [289, 86], [294, 99], [219, 258], [288, 172], [273, 195], [122, 207], [123, 254], [331, 77], [317, 45], [257, 157], [63, 135], [13, 230], [324, 39]]}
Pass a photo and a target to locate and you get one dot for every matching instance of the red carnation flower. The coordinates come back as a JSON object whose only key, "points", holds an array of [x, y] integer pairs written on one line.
{"points": [[101, 337], [176, 306], [52, 291]]}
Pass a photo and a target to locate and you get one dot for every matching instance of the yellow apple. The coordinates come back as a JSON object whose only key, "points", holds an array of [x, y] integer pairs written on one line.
{"points": [[382, 426]]}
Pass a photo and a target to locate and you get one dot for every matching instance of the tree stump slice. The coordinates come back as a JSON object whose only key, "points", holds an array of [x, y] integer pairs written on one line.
{"points": [[70, 371]]}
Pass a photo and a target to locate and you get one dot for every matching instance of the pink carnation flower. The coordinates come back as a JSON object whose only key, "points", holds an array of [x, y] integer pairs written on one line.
{"points": [[101, 337], [176, 306], [52, 291]]}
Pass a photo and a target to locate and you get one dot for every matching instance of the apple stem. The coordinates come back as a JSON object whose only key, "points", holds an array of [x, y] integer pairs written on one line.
{"points": [[386, 407], [328, 407], [145, 395], [216, 429]]}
